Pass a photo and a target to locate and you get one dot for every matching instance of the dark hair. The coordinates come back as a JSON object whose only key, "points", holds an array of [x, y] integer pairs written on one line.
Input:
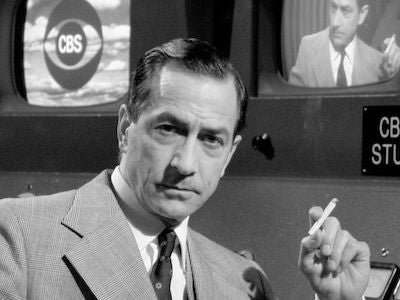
{"points": [[191, 54], [361, 3]]}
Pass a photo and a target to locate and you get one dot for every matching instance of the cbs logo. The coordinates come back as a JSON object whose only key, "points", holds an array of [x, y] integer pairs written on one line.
{"points": [[73, 43]]}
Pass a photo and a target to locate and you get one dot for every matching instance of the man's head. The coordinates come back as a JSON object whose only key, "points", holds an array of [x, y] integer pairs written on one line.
{"points": [[180, 128], [191, 54], [345, 16]]}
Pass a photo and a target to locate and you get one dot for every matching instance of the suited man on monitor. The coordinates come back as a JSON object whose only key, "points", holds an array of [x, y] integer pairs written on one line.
{"points": [[336, 56], [125, 234]]}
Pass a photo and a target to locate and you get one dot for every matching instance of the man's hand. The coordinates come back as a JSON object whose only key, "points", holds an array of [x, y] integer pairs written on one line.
{"points": [[391, 58], [336, 264]]}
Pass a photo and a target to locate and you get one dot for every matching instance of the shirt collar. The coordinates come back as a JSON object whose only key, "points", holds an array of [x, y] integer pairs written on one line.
{"points": [[145, 226], [349, 51]]}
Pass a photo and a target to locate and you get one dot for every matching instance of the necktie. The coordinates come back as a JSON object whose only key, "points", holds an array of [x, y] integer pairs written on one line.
{"points": [[162, 270], [341, 75]]}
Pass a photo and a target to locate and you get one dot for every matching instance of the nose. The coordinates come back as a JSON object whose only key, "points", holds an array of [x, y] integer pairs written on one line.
{"points": [[184, 159], [336, 18]]}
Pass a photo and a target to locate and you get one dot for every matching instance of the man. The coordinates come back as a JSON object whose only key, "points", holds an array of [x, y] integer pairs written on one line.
{"points": [[336, 56], [125, 234]]}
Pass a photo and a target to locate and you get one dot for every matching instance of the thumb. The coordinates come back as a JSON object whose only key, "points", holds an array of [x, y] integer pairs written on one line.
{"points": [[309, 248]]}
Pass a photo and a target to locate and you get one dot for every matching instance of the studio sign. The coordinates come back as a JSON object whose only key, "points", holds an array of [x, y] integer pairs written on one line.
{"points": [[381, 140], [387, 153], [73, 43]]}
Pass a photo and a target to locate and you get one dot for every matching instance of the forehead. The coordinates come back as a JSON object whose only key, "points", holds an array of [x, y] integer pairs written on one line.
{"points": [[202, 97]]}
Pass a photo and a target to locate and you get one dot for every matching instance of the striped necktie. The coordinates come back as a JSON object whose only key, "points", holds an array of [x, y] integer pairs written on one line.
{"points": [[161, 273]]}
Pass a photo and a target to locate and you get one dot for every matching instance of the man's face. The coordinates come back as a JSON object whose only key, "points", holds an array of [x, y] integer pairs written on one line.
{"points": [[175, 154], [345, 17]]}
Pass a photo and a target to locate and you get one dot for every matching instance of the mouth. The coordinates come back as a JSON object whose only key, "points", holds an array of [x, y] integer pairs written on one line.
{"points": [[337, 34], [175, 188]]}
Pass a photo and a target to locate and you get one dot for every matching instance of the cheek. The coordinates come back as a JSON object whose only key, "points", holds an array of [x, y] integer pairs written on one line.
{"points": [[211, 173], [155, 157]]}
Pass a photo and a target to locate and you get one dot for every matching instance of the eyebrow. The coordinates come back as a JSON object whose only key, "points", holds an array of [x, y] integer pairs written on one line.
{"points": [[216, 131], [170, 117]]}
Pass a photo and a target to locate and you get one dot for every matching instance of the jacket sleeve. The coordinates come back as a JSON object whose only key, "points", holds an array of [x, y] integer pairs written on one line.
{"points": [[298, 74], [13, 263]]}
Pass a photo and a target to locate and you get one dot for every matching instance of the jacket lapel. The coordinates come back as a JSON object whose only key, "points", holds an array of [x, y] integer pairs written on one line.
{"points": [[360, 70], [107, 258], [364, 70], [321, 64], [210, 281]]}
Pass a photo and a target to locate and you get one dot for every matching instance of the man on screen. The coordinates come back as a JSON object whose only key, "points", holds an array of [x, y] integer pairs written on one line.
{"points": [[125, 234], [337, 57]]}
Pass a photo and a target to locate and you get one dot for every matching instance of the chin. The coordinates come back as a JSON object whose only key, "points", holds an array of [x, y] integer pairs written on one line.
{"points": [[175, 213]]}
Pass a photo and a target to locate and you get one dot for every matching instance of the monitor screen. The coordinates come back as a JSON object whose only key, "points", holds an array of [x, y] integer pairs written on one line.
{"points": [[76, 52], [339, 43], [334, 43], [377, 283]]}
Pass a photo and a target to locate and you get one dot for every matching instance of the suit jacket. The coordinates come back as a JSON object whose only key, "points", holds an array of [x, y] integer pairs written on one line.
{"points": [[78, 245], [313, 67]]}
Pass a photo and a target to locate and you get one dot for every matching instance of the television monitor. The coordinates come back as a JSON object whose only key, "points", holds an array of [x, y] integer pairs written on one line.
{"points": [[66, 66], [308, 37], [79, 53], [76, 52], [315, 131]]}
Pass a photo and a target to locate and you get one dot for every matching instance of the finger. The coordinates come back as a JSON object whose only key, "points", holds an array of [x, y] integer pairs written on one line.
{"points": [[336, 258], [396, 62], [308, 247], [314, 214], [355, 252], [385, 43], [392, 53], [389, 59], [310, 244], [385, 58], [330, 228]]}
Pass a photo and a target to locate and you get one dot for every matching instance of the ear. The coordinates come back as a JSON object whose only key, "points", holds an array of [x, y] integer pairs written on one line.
{"points": [[363, 14], [124, 121], [235, 143]]}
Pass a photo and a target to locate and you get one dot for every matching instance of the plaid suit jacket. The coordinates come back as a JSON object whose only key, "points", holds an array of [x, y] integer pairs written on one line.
{"points": [[78, 245]]}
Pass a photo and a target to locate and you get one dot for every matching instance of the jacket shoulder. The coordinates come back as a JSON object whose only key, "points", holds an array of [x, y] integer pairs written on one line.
{"points": [[35, 213], [315, 40]]}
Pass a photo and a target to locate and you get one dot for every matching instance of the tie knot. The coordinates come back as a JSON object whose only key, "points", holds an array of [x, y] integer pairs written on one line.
{"points": [[166, 240]]}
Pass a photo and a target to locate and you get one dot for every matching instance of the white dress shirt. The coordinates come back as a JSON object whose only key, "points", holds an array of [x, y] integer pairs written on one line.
{"points": [[146, 228], [317, 298], [348, 61]]}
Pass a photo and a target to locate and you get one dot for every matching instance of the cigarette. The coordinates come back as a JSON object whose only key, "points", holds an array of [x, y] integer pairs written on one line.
{"points": [[391, 41], [327, 211]]}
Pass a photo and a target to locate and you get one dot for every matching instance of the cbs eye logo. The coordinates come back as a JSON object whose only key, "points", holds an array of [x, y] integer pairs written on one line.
{"points": [[73, 43]]}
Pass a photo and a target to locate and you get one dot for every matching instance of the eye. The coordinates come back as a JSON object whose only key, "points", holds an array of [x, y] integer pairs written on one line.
{"points": [[167, 128], [212, 140], [72, 44]]}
